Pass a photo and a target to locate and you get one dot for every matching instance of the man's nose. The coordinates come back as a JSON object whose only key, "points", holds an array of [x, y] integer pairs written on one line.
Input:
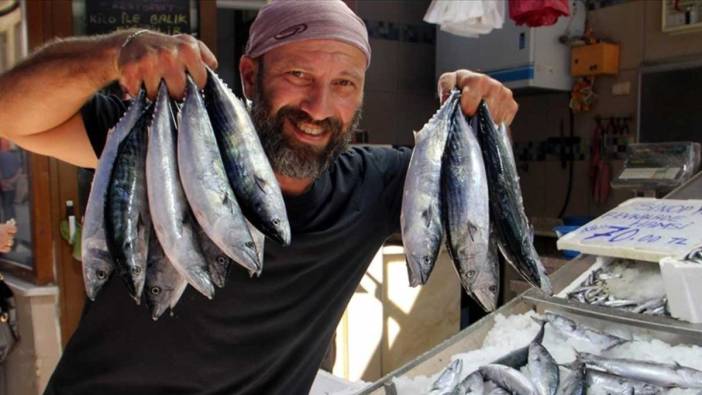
{"points": [[318, 103]]}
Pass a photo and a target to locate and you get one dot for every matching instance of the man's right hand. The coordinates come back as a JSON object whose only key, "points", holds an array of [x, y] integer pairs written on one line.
{"points": [[150, 56]]}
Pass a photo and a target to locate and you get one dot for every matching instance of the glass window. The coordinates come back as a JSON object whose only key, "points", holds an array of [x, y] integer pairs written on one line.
{"points": [[15, 202]]}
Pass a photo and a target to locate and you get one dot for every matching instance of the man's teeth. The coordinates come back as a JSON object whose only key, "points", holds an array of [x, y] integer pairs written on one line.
{"points": [[315, 131]]}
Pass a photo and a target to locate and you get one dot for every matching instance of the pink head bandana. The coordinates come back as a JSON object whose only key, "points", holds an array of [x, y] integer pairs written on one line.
{"points": [[285, 21]]}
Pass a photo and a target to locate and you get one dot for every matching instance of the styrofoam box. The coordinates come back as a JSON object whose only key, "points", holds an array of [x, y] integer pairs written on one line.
{"points": [[682, 281]]}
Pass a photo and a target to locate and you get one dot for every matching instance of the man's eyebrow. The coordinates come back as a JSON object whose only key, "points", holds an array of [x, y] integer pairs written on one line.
{"points": [[352, 75], [294, 62]]}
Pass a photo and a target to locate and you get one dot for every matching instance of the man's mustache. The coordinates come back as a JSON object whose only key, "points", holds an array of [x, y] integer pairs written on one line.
{"points": [[297, 115]]}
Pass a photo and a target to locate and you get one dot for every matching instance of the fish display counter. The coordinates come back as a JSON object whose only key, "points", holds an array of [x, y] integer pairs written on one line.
{"points": [[668, 347]]}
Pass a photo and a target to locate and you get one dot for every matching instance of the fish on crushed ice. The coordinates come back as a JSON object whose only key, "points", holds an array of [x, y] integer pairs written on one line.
{"points": [[661, 374], [543, 370], [570, 328], [508, 378]]}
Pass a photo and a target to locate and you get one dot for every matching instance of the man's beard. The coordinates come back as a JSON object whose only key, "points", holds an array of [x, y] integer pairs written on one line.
{"points": [[288, 156]]}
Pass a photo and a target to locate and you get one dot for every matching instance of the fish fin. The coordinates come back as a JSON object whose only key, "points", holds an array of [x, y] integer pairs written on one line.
{"points": [[260, 183], [472, 229], [427, 216]]}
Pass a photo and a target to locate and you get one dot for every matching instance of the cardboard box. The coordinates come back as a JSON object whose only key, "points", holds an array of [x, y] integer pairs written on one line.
{"points": [[595, 59]]}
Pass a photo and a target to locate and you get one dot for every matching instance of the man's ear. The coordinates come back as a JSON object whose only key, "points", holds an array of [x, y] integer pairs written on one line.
{"points": [[247, 71]]}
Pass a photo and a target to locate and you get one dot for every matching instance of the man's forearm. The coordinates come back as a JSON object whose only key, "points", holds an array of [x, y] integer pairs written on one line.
{"points": [[50, 86]]}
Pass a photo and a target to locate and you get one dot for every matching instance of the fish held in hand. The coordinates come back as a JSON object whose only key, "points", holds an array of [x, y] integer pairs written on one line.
{"points": [[96, 258], [170, 212], [420, 217], [127, 218], [247, 166], [506, 206], [164, 284], [466, 208], [206, 186]]}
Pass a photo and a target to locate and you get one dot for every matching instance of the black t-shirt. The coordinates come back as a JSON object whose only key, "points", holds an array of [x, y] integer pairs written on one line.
{"points": [[263, 335]]}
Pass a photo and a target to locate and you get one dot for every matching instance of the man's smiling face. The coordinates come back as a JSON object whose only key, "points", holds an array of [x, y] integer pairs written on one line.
{"points": [[307, 98]]}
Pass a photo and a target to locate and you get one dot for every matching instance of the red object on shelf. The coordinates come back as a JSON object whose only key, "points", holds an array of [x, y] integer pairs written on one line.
{"points": [[535, 13]]}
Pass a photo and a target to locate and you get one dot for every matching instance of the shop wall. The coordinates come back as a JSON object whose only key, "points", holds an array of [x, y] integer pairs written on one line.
{"points": [[400, 92], [636, 26]]}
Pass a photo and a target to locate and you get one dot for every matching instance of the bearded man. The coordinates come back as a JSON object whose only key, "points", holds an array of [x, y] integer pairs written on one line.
{"points": [[304, 70]]}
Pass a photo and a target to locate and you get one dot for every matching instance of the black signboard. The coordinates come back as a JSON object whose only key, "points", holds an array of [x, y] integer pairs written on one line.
{"points": [[166, 16]]}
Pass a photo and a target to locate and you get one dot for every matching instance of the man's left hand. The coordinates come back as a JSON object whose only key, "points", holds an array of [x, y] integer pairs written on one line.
{"points": [[475, 87]]}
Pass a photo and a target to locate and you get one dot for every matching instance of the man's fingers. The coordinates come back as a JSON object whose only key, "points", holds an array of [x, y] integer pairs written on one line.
{"points": [[151, 57], [189, 51], [447, 81], [175, 82], [207, 56]]}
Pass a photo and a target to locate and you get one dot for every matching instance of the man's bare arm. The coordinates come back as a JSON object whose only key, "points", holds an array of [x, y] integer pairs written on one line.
{"points": [[40, 99]]}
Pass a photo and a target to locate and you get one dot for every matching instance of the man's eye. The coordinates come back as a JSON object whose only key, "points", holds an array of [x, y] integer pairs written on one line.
{"points": [[297, 73], [345, 83]]}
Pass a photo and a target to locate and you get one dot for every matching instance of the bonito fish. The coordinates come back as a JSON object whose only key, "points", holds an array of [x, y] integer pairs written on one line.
{"points": [[520, 357], [574, 383], [96, 258], [164, 284], [420, 219], [569, 328], [509, 379], [467, 213], [218, 263], [448, 379], [543, 370], [611, 384], [127, 218], [205, 183], [506, 206], [250, 174], [170, 213], [472, 384], [664, 375]]}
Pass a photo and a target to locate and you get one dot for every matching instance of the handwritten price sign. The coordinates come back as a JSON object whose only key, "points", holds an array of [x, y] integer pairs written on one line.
{"points": [[641, 228]]}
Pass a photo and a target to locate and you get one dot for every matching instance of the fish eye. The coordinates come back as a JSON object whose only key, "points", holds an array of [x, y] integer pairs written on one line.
{"points": [[100, 275], [471, 273], [155, 291], [221, 259], [492, 288], [250, 244], [136, 270], [427, 260], [276, 221]]}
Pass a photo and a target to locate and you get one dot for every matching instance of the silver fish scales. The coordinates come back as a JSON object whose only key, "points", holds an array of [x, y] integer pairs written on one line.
{"points": [[506, 206], [164, 284], [250, 174], [127, 218], [206, 186], [467, 213], [96, 259], [170, 212], [420, 218]]}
